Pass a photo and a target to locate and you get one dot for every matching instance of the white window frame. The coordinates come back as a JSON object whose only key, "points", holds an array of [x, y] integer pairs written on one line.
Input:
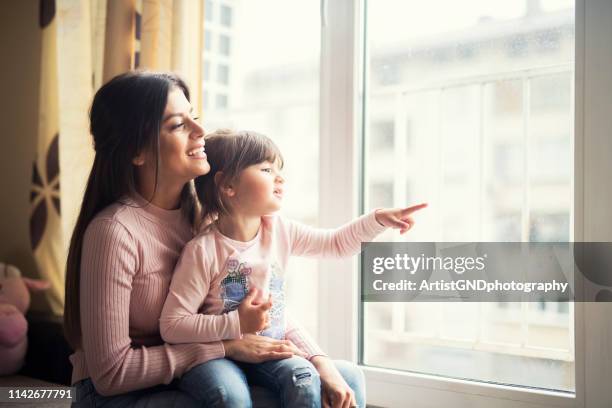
{"points": [[340, 124]]}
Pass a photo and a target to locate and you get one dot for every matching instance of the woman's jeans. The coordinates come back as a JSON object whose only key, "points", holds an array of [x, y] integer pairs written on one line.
{"points": [[159, 396], [225, 383]]}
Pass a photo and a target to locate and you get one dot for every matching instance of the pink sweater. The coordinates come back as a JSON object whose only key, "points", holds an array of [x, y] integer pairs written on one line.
{"points": [[129, 254], [215, 272]]}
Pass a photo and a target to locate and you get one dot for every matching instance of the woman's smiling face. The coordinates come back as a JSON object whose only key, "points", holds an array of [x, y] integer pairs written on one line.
{"points": [[181, 141], [181, 144]]}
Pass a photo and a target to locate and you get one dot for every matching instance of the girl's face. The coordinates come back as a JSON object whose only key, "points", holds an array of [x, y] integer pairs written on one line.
{"points": [[258, 190], [181, 144]]}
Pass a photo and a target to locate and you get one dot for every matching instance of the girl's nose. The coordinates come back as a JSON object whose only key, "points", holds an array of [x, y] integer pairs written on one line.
{"points": [[279, 178]]}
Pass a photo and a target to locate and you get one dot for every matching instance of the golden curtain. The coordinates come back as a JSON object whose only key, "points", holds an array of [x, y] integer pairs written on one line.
{"points": [[46, 236], [119, 37], [171, 40], [160, 35]]}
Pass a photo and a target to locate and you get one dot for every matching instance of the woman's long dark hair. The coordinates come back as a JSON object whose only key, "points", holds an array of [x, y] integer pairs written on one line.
{"points": [[125, 119]]}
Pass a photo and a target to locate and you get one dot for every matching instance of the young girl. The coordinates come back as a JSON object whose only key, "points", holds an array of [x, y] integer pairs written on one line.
{"points": [[229, 280]]}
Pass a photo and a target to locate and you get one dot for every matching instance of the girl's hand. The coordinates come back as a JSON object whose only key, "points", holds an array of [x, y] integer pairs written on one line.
{"points": [[257, 349], [253, 316], [398, 218], [335, 392]]}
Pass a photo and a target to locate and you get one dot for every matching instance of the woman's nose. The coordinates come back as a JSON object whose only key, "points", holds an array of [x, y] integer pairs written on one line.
{"points": [[197, 131]]}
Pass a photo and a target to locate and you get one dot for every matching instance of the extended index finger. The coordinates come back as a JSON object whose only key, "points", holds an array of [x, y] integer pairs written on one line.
{"points": [[414, 208]]}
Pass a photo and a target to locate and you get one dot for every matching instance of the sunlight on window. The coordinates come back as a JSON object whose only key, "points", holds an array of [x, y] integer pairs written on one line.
{"points": [[470, 109]]}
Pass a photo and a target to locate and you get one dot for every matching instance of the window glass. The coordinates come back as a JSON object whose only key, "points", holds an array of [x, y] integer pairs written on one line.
{"points": [[469, 108]]}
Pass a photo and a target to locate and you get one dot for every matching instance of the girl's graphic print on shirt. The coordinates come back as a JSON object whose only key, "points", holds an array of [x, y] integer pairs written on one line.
{"points": [[236, 285], [277, 311]]}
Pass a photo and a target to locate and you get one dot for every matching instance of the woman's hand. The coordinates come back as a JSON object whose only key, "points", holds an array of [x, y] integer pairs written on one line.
{"points": [[335, 392], [398, 218], [257, 349]]}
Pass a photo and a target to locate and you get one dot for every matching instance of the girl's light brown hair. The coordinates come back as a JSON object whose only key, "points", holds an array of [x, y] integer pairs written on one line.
{"points": [[230, 152]]}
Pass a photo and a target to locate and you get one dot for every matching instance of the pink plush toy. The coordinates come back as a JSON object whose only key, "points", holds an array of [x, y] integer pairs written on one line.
{"points": [[14, 302]]}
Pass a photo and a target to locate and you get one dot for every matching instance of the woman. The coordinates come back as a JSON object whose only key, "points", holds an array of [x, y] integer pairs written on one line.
{"points": [[138, 211]]}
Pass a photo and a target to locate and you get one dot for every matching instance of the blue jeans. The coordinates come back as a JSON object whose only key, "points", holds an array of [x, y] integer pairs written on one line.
{"points": [[225, 383], [159, 396]]}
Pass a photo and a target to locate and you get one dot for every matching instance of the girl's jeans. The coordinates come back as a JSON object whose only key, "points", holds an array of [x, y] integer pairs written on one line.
{"points": [[224, 383]]}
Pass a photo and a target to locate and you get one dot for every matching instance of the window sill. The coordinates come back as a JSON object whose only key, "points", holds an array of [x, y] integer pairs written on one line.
{"points": [[391, 388]]}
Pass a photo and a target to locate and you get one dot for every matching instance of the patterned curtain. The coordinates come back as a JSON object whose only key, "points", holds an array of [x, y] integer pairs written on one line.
{"points": [[162, 35], [46, 236], [76, 33]]}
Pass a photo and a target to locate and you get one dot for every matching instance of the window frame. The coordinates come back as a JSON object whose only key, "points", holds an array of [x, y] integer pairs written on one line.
{"points": [[341, 121]]}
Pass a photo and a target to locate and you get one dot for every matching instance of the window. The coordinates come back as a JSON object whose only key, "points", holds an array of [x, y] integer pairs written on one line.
{"points": [[207, 40], [489, 104], [382, 136], [221, 101], [208, 10], [496, 110], [226, 15], [274, 90], [224, 44], [205, 102], [206, 70], [223, 74]]}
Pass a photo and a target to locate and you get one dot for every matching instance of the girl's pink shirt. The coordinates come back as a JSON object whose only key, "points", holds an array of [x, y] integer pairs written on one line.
{"points": [[196, 309]]}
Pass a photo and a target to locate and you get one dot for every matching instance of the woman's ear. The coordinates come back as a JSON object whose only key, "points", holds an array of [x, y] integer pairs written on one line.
{"points": [[225, 188], [139, 160]]}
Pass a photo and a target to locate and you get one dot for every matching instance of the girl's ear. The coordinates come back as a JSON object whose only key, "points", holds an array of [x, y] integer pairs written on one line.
{"points": [[225, 188]]}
